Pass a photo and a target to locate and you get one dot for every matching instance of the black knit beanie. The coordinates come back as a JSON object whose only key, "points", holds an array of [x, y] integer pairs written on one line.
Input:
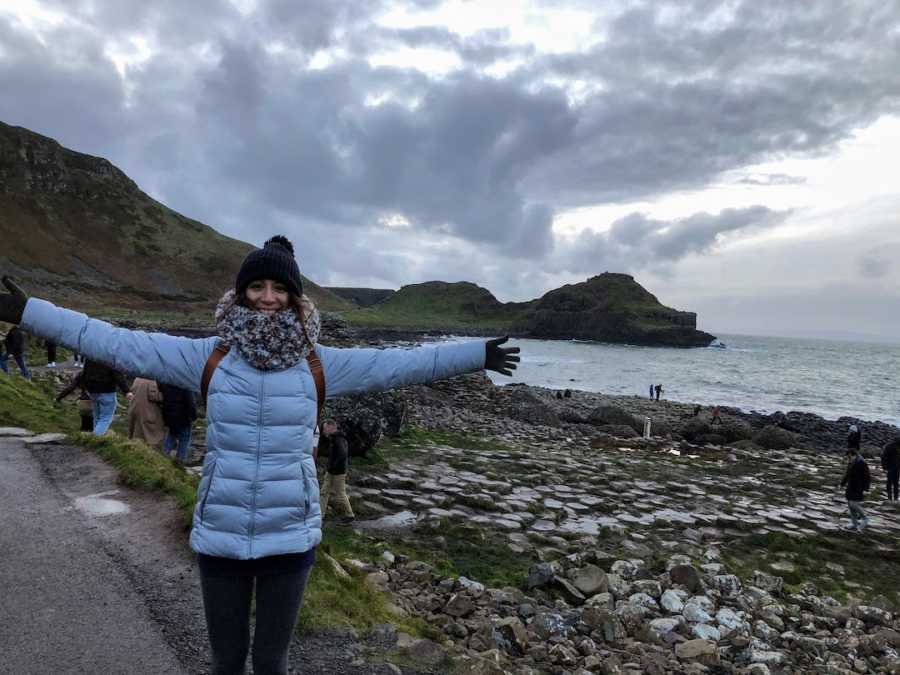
{"points": [[275, 260]]}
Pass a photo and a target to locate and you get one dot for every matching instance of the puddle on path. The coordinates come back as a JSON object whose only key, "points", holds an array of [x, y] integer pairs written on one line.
{"points": [[98, 504]]}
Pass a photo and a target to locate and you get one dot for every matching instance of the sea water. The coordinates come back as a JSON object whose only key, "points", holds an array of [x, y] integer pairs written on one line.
{"points": [[828, 377]]}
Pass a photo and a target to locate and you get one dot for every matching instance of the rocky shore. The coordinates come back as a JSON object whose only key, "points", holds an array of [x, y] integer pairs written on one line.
{"points": [[700, 549]]}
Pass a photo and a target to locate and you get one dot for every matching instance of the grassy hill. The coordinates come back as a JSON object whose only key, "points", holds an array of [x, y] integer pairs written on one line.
{"points": [[607, 308], [76, 230]]}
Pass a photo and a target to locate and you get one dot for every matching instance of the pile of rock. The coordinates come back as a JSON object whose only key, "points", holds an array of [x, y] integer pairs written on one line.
{"points": [[587, 614]]}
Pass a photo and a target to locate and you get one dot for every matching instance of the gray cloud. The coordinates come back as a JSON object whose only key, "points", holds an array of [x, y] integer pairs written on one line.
{"points": [[770, 179], [876, 264], [230, 130], [638, 242]]}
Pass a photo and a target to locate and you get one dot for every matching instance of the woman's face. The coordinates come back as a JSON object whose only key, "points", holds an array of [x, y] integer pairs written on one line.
{"points": [[267, 296]]}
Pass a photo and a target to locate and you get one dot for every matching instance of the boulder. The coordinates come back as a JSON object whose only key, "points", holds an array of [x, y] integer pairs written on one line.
{"points": [[774, 438], [541, 574], [618, 430], [704, 651], [687, 576], [514, 632], [459, 605], [610, 415], [590, 580]]}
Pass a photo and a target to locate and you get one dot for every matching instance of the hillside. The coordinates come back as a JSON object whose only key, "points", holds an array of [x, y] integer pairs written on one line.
{"points": [[606, 308], [363, 297], [76, 230]]}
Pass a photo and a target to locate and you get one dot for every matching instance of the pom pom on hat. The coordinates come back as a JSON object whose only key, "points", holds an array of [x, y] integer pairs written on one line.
{"points": [[275, 260]]}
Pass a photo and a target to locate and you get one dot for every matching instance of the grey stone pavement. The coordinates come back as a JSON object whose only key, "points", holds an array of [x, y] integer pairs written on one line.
{"points": [[64, 605]]}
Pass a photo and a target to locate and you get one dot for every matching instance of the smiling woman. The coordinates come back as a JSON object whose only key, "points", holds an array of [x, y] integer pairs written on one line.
{"points": [[257, 521]]}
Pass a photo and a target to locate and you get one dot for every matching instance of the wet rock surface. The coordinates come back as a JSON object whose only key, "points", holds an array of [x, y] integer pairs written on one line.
{"points": [[647, 555]]}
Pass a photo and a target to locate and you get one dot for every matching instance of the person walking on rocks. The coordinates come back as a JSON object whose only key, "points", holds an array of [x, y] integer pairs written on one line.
{"points": [[854, 437], [101, 382], [51, 354], [145, 418], [15, 347], [257, 520], [334, 488], [890, 462], [179, 410], [716, 416], [658, 391], [85, 409], [857, 481], [651, 391]]}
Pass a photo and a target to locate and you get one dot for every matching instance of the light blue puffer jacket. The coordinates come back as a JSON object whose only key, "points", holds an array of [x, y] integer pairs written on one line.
{"points": [[259, 494]]}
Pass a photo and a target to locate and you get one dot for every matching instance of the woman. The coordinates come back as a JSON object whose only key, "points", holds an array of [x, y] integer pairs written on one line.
{"points": [[257, 517], [145, 418]]}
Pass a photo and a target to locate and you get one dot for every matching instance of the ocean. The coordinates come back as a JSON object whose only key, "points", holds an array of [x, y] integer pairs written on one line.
{"points": [[828, 377]]}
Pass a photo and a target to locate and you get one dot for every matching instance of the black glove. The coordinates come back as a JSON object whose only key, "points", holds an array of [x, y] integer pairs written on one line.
{"points": [[499, 358], [12, 304]]}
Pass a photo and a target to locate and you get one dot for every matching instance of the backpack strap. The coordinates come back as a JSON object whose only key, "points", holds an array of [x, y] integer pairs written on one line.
{"points": [[211, 364]]}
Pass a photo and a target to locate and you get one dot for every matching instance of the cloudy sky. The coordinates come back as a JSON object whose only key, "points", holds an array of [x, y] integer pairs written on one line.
{"points": [[740, 159]]}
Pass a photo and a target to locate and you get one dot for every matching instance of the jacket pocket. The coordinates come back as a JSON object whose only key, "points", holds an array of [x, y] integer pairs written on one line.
{"points": [[212, 475]]}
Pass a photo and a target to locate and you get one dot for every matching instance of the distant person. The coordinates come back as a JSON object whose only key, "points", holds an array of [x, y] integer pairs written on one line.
{"points": [[890, 462], [651, 391], [854, 438], [101, 382], [857, 481], [145, 418], [179, 410], [334, 487], [85, 409], [78, 360], [15, 347], [567, 393], [51, 354], [697, 409], [658, 391], [716, 416]]}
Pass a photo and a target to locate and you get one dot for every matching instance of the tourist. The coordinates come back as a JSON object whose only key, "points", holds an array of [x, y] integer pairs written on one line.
{"points": [[857, 481], [854, 438], [651, 391], [257, 517], [78, 360], [334, 444], [658, 391], [101, 382], [716, 416], [15, 347], [145, 419], [179, 410], [697, 409], [85, 408], [890, 462], [51, 354]]}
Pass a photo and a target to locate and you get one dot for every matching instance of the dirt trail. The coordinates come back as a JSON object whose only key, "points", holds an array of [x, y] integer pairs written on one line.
{"points": [[98, 577]]}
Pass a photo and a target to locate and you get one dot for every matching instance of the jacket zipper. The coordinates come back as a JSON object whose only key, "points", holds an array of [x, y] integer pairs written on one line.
{"points": [[212, 475], [255, 485]]}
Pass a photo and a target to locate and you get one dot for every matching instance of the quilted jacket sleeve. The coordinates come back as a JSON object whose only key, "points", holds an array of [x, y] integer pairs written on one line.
{"points": [[166, 358], [351, 371]]}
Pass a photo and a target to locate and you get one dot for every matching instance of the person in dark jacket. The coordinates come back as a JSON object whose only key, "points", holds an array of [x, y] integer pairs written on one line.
{"points": [[334, 487], [890, 462], [854, 438], [101, 383], [15, 347], [85, 409], [658, 389], [857, 481], [179, 410], [51, 354]]}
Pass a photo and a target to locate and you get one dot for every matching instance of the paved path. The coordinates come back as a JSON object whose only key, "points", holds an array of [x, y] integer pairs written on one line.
{"points": [[65, 607]]}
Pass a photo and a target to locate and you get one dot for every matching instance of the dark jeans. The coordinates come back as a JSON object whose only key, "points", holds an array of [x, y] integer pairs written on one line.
{"points": [[893, 489], [227, 603]]}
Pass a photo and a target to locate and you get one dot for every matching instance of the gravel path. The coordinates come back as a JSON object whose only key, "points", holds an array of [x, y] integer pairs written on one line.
{"points": [[98, 578]]}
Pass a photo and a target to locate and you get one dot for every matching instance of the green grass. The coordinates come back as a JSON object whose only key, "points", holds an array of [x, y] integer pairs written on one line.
{"points": [[869, 560], [31, 405]]}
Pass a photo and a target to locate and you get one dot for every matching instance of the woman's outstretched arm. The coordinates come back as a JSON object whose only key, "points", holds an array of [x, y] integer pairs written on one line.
{"points": [[166, 358]]}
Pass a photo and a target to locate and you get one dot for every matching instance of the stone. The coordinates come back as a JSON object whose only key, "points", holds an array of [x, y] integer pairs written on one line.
{"points": [[643, 600], [618, 586], [672, 601], [728, 584], [474, 588], [459, 605], [872, 615], [664, 631], [514, 632], [649, 586], [604, 622], [729, 622], [687, 576], [767, 582], [45, 439], [705, 631], [570, 593], [541, 574], [766, 657], [704, 651], [17, 432], [590, 580], [695, 613], [388, 557], [602, 600], [378, 580], [333, 564], [426, 652], [547, 624], [626, 569]]}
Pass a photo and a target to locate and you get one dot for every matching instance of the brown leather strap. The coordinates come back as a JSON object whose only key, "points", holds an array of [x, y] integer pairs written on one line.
{"points": [[211, 364]]}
